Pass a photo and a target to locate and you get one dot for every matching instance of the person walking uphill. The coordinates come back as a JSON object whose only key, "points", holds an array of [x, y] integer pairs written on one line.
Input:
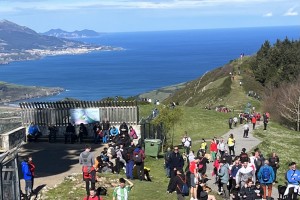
{"points": [[186, 143], [86, 159], [266, 177], [253, 121]]}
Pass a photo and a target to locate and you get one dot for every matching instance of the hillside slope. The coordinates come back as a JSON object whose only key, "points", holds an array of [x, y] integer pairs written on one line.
{"points": [[219, 88]]}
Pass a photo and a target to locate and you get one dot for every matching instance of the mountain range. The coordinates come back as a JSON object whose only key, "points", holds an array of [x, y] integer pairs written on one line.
{"points": [[75, 34], [22, 43]]}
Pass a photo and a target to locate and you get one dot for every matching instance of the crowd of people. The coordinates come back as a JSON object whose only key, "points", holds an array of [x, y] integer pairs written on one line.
{"points": [[246, 176], [123, 152]]}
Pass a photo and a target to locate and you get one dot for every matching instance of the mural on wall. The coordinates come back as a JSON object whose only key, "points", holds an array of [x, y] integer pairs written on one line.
{"points": [[85, 116]]}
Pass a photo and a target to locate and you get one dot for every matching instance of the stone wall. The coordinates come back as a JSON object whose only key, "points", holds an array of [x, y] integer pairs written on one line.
{"points": [[12, 138]]}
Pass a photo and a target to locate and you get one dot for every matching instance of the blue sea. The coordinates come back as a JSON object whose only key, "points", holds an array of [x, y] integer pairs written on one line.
{"points": [[151, 60]]}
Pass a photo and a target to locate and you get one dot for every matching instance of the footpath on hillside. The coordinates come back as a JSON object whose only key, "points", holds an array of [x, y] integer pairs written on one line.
{"points": [[249, 143]]}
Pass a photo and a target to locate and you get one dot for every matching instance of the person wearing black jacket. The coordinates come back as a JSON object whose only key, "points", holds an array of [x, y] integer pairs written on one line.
{"points": [[70, 133], [202, 163], [176, 161], [177, 183], [82, 132], [274, 163]]}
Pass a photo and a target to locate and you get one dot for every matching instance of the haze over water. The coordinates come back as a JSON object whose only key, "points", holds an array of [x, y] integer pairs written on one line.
{"points": [[151, 60]]}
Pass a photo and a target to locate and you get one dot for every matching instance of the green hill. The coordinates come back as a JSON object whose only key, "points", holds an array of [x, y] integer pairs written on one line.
{"points": [[219, 88]]}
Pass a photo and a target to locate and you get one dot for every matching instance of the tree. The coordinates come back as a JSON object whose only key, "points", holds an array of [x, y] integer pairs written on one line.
{"points": [[289, 102], [168, 117]]}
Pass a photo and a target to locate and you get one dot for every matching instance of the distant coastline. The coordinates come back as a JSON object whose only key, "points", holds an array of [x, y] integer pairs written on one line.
{"points": [[34, 54]]}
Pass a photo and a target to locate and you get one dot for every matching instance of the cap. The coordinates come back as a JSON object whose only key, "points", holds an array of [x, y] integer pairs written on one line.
{"points": [[292, 163]]}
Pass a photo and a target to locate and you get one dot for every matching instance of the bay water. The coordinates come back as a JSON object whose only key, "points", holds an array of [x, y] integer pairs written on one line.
{"points": [[150, 60]]}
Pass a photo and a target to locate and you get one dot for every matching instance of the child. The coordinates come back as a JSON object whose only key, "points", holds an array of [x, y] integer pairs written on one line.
{"points": [[259, 191]]}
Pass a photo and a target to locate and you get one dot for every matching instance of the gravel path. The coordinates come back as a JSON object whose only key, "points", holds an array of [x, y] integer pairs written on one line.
{"points": [[248, 143]]}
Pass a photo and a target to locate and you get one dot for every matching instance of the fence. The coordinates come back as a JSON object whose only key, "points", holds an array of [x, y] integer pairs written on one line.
{"points": [[9, 181], [58, 113]]}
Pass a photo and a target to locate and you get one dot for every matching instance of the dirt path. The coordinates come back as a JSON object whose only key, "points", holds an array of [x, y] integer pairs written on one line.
{"points": [[248, 143], [54, 161]]}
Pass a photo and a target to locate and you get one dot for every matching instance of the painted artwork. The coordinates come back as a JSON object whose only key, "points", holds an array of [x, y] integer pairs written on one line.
{"points": [[85, 116]]}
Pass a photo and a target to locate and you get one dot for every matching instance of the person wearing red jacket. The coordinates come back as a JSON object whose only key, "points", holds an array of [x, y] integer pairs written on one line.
{"points": [[32, 169], [93, 196], [213, 149], [253, 120]]}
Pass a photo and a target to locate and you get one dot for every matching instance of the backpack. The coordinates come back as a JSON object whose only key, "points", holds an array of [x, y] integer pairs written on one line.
{"points": [[87, 172], [266, 174], [137, 157], [184, 189]]}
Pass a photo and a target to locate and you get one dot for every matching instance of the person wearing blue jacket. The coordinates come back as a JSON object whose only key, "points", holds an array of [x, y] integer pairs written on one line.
{"points": [[293, 178], [27, 177], [266, 178]]}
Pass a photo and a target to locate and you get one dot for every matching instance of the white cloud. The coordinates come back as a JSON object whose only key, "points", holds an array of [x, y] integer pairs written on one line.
{"points": [[125, 4], [291, 12], [269, 14]]}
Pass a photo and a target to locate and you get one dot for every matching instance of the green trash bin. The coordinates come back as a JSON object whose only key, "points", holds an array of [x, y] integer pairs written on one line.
{"points": [[152, 147]]}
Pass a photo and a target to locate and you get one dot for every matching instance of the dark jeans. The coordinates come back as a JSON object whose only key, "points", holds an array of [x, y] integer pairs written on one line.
{"points": [[80, 136], [187, 150], [33, 137], [292, 195], [265, 126], [129, 169], [28, 187], [70, 137], [225, 191], [140, 170], [231, 149], [246, 133], [275, 173], [52, 137]]}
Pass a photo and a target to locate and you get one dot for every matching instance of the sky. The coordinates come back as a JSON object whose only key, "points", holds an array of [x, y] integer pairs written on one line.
{"points": [[149, 15]]}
